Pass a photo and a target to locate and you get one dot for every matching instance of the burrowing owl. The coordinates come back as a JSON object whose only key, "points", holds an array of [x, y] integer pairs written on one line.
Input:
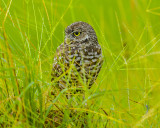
{"points": [[79, 59]]}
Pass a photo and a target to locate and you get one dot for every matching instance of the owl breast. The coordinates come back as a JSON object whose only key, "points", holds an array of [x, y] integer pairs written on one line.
{"points": [[84, 61]]}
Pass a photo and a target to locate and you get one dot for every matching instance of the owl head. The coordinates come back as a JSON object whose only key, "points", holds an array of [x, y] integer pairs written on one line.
{"points": [[79, 32]]}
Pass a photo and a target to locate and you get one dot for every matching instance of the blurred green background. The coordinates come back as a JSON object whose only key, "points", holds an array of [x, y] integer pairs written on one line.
{"points": [[128, 32]]}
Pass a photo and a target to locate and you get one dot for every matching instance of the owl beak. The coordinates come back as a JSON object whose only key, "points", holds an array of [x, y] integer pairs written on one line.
{"points": [[68, 40]]}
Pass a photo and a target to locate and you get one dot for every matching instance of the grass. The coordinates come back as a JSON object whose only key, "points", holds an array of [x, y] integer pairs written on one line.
{"points": [[126, 93]]}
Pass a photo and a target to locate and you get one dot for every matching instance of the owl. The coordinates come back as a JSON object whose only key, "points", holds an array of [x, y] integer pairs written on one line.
{"points": [[78, 59]]}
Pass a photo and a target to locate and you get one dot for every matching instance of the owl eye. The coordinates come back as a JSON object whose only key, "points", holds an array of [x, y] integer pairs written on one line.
{"points": [[77, 33]]}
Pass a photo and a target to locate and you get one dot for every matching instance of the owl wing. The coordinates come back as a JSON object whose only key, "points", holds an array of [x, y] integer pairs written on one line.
{"points": [[58, 63]]}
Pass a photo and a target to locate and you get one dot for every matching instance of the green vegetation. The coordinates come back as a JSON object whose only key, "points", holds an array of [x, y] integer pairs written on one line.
{"points": [[126, 93]]}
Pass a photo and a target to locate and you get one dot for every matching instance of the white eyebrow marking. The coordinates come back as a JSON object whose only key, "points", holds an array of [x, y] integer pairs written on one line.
{"points": [[85, 37]]}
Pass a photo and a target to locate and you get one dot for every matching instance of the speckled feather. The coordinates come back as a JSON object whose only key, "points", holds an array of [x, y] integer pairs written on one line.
{"points": [[83, 51]]}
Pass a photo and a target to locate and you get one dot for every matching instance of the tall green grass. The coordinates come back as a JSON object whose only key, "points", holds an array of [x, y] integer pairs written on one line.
{"points": [[126, 93]]}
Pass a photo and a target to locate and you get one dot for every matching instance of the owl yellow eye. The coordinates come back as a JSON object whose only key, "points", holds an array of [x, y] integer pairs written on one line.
{"points": [[76, 33]]}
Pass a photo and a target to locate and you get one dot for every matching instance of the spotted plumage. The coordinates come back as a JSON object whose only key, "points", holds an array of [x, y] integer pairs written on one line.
{"points": [[78, 60]]}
